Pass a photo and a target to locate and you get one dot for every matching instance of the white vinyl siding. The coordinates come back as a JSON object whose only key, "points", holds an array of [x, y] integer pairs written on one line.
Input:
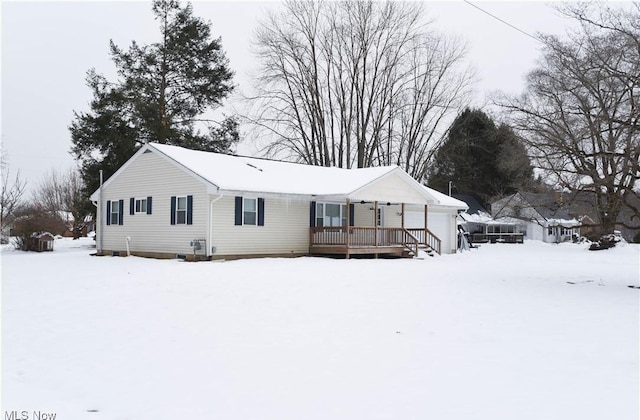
{"points": [[392, 188], [150, 175], [285, 230], [390, 215]]}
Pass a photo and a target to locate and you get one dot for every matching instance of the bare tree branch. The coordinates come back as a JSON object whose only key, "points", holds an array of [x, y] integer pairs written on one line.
{"points": [[580, 111], [356, 83], [13, 189]]}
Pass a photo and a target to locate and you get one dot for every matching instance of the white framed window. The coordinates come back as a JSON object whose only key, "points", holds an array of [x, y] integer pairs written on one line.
{"points": [[328, 214], [181, 210], [141, 205], [250, 211], [114, 216]]}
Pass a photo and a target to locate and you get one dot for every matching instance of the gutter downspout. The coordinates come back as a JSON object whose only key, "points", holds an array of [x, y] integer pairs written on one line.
{"points": [[210, 233], [99, 213]]}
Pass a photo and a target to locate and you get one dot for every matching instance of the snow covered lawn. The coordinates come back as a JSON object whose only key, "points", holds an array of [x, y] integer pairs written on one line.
{"points": [[531, 331]]}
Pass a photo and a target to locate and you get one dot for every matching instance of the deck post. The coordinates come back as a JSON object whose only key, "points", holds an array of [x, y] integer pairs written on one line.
{"points": [[346, 228], [402, 215], [425, 223], [375, 222]]}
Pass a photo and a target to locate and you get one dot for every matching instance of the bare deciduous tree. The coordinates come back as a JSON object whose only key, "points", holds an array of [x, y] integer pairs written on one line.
{"points": [[356, 84], [13, 188], [64, 192], [580, 112]]}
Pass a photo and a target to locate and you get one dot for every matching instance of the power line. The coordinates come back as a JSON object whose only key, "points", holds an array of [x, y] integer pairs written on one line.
{"points": [[505, 22]]}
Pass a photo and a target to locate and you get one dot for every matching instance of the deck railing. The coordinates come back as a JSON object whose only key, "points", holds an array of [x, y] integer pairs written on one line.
{"points": [[362, 236], [517, 238], [426, 237]]}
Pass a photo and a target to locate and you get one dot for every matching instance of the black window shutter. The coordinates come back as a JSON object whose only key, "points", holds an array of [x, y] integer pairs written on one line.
{"points": [[260, 211], [189, 209], [148, 205], [312, 214], [132, 205], [121, 212], [238, 211], [173, 210], [108, 212], [352, 214]]}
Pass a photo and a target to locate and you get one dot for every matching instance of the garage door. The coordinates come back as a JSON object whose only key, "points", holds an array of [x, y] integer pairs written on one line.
{"points": [[440, 224]]}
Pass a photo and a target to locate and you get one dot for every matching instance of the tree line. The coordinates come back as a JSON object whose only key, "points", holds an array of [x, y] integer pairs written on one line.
{"points": [[365, 83]]}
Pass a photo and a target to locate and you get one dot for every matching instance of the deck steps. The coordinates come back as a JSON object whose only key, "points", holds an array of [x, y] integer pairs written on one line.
{"points": [[426, 249]]}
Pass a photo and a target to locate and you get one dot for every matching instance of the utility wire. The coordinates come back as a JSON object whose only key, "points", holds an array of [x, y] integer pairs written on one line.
{"points": [[505, 22]]}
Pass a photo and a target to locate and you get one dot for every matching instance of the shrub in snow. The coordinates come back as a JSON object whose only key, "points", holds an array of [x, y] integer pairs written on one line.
{"points": [[605, 242]]}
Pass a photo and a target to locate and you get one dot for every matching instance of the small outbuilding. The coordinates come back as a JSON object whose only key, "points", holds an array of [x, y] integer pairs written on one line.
{"points": [[40, 242]]}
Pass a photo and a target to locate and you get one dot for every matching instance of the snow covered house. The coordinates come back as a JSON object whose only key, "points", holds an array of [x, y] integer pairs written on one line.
{"points": [[167, 201], [547, 218], [482, 227]]}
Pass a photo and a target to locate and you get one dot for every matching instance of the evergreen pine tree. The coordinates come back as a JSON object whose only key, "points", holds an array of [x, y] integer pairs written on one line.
{"points": [[480, 159], [165, 92]]}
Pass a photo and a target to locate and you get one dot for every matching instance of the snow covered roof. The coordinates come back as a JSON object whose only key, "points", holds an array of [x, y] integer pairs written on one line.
{"points": [[563, 222], [479, 217], [39, 235], [475, 207], [240, 174], [447, 201]]}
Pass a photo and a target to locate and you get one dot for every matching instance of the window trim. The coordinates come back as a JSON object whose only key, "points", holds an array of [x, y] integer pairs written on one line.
{"points": [[239, 210], [178, 210], [321, 211], [140, 200], [174, 210], [115, 204], [244, 211]]}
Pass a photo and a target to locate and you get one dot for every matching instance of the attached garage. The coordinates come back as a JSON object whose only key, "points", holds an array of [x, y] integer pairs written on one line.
{"points": [[441, 221]]}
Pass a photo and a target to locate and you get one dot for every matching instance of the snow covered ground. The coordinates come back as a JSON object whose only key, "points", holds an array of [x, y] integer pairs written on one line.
{"points": [[533, 331]]}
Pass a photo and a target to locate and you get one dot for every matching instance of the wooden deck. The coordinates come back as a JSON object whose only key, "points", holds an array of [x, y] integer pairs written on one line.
{"points": [[359, 240], [510, 238]]}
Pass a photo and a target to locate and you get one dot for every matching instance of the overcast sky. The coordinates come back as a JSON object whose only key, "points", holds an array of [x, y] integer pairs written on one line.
{"points": [[47, 48]]}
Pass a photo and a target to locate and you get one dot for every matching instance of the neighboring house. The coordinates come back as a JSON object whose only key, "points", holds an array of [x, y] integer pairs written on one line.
{"points": [[547, 216], [477, 221], [69, 222], [167, 201]]}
